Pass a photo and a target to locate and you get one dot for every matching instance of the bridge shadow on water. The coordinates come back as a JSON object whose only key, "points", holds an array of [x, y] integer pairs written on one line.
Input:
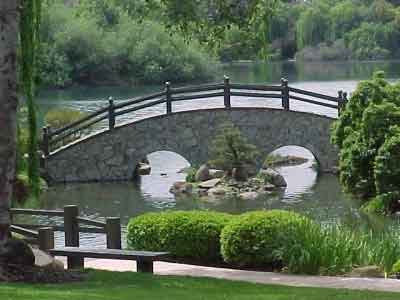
{"points": [[319, 196]]}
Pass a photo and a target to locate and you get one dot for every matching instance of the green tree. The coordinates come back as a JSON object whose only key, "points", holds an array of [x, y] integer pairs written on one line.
{"points": [[312, 26], [345, 16], [367, 141], [230, 150], [387, 164]]}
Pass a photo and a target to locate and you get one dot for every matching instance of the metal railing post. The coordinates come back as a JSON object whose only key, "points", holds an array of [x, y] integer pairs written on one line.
{"points": [[285, 94], [169, 97], [113, 232], [111, 114], [227, 92], [71, 225]]}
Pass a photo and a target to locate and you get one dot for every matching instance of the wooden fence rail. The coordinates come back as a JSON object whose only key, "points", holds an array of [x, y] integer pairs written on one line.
{"points": [[41, 233], [52, 139]]}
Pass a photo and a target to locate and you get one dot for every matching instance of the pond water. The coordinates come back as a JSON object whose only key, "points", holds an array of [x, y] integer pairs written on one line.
{"points": [[319, 196]]}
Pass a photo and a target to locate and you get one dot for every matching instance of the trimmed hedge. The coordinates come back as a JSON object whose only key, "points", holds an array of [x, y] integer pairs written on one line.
{"points": [[191, 235], [259, 239]]}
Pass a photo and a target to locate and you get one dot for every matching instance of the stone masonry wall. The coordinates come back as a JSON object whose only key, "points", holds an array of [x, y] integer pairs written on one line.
{"points": [[113, 155]]}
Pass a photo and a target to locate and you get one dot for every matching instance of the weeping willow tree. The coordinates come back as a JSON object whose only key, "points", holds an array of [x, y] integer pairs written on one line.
{"points": [[29, 37], [22, 17]]}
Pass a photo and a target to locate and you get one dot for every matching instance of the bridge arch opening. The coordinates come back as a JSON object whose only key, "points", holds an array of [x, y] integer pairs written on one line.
{"points": [[299, 167], [164, 168]]}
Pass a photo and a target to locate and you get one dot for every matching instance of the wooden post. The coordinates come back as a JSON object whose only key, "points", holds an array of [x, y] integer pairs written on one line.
{"points": [[227, 92], [169, 97], [113, 232], [46, 238], [111, 114], [345, 100], [285, 94], [145, 266], [71, 225], [340, 103], [46, 141]]}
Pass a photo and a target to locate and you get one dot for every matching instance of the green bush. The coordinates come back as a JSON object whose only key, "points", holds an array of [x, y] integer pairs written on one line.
{"points": [[368, 140], [191, 235], [259, 239], [396, 267], [191, 175], [60, 117], [387, 164]]}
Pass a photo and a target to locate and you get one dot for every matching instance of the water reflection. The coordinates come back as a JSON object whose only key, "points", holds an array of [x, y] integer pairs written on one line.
{"points": [[318, 196]]}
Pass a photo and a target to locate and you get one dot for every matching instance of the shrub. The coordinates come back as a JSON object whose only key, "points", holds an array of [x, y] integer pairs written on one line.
{"points": [[387, 164], [191, 175], [192, 235], [259, 239], [368, 140], [396, 267], [60, 117], [230, 149]]}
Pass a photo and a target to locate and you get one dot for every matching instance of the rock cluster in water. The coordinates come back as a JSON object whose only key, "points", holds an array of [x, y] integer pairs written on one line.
{"points": [[217, 183]]}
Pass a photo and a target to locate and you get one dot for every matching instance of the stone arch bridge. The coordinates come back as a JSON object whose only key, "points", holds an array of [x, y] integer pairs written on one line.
{"points": [[113, 153]]}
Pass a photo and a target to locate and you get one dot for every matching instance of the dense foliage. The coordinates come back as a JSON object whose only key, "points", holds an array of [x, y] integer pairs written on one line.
{"points": [[191, 235], [94, 44], [368, 138], [123, 41], [264, 240], [230, 150], [332, 250], [60, 117], [323, 30], [259, 239]]}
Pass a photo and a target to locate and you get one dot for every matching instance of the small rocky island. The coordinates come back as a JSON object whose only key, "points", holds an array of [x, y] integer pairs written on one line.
{"points": [[208, 182], [232, 170]]}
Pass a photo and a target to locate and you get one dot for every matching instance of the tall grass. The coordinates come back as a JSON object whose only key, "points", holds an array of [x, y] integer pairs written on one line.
{"points": [[334, 249]]}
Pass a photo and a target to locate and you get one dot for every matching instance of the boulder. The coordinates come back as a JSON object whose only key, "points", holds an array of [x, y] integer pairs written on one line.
{"points": [[17, 252], [268, 187], [202, 192], [240, 174], [273, 177], [217, 191], [44, 260], [214, 173], [248, 195], [209, 183], [181, 187], [143, 169], [251, 169], [367, 271], [203, 174]]}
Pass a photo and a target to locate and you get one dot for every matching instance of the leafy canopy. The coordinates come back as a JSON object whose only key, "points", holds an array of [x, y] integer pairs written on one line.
{"points": [[368, 138], [230, 149]]}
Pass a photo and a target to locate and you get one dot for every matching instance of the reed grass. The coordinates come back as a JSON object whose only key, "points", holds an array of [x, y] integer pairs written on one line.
{"points": [[335, 249]]}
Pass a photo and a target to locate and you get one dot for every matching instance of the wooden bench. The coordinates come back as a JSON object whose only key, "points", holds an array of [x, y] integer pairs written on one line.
{"points": [[75, 256]]}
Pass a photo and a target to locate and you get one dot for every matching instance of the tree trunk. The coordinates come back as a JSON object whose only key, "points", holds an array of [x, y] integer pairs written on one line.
{"points": [[9, 20]]}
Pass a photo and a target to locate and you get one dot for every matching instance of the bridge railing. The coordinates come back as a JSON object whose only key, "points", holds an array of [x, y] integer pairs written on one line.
{"points": [[52, 139]]}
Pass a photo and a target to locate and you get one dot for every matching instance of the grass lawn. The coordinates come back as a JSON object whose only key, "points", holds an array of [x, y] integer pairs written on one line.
{"points": [[120, 286]]}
